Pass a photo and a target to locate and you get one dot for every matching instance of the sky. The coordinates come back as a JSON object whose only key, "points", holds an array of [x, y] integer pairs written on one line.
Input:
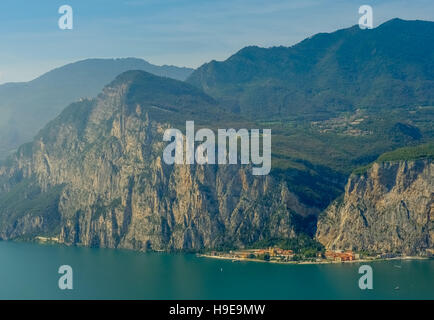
{"points": [[175, 32]]}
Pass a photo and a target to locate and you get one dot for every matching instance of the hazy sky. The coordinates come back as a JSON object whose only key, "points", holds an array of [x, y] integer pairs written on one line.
{"points": [[178, 32]]}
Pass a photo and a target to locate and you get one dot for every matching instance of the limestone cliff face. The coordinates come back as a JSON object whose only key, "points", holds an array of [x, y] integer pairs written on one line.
{"points": [[388, 209], [95, 177]]}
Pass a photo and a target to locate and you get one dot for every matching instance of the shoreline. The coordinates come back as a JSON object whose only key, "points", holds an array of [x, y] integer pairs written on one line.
{"points": [[313, 262], [43, 241]]}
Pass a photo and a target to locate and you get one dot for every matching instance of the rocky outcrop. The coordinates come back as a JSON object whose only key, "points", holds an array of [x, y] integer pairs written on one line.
{"points": [[95, 177], [390, 208]]}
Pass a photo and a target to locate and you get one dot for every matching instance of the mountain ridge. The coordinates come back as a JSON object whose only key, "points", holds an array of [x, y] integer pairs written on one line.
{"points": [[95, 177], [27, 106], [390, 65]]}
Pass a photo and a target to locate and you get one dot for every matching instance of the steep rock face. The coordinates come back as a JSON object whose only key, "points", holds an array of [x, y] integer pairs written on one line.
{"points": [[95, 177], [388, 209]]}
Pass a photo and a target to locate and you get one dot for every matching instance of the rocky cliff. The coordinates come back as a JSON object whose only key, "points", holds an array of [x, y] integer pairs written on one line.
{"points": [[95, 177], [389, 208]]}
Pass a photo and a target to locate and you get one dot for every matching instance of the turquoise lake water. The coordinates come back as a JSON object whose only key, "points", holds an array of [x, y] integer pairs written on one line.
{"points": [[29, 271]]}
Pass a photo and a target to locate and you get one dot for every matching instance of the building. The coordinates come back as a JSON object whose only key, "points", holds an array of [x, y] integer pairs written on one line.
{"points": [[340, 256]]}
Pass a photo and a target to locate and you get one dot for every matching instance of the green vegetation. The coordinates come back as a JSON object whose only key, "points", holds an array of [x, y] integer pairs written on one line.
{"points": [[26, 198], [363, 169], [319, 111], [265, 257], [302, 245], [423, 151], [327, 73]]}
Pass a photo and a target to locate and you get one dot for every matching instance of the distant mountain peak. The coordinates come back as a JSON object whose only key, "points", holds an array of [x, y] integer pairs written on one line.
{"points": [[133, 75], [143, 82], [391, 65], [26, 107]]}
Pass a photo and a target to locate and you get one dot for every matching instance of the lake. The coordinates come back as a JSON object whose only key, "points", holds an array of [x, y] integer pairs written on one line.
{"points": [[30, 271]]}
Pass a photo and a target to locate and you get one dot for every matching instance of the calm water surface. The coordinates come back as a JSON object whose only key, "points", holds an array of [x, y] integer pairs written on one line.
{"points": [[29, 271]]}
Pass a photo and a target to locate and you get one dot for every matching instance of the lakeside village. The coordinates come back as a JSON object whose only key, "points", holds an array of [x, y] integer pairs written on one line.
{"points": [[306, 255], [279, 255]]}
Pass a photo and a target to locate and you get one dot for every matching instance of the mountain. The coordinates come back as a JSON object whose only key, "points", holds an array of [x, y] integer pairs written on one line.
{"points": [[387, 207], [26, 107], [95, 176], [337, 100], [389, 66]]}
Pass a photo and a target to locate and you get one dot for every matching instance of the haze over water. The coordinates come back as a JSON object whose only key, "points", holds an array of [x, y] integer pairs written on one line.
{"points": [[29, 271]]}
